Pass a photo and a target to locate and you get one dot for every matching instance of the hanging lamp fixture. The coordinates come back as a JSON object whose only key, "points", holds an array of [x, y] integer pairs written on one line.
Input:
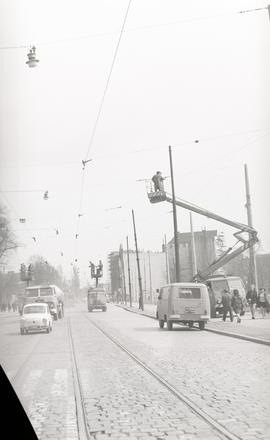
{"points": [[32, 61]]}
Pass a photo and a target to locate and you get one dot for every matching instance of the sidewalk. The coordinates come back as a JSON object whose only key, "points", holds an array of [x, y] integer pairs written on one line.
{"points": [[254, 330]]}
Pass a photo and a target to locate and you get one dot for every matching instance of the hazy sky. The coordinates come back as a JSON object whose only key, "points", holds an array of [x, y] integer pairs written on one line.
{"points": [[185, 71]]}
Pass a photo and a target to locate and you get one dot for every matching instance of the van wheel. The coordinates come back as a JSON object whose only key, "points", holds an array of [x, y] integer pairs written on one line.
{"points": [[201, 325], [169, 325], [161, 323], [190, 324]]}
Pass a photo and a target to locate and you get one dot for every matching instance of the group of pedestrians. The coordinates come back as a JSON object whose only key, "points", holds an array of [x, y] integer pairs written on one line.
{"points": [[234, 303], [258, 300], [8, 307]]}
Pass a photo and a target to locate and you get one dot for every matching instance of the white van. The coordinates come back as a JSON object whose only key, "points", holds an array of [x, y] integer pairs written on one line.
{"points": [[183, 303]]}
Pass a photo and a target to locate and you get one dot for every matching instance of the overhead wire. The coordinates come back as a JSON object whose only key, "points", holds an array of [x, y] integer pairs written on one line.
{"points": [[134, 29], [109, 76], [100, 110], [137, 151]]}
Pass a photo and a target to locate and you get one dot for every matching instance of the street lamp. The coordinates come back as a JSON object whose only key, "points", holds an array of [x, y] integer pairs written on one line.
{"points": [[32, 61]]}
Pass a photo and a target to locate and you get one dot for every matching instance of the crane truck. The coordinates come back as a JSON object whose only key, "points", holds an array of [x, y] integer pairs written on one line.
{"points": [[216, 283]]}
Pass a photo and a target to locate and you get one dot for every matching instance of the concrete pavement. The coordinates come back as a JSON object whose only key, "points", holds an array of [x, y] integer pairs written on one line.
{"points": [[254, 330]]}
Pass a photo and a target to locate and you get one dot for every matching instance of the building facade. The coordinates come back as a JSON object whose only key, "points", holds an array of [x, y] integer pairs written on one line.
{"points": [[153, 272], [206, 251]]}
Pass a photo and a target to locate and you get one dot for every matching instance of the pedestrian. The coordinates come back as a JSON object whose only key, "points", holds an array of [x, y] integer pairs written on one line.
{"points": [[252, 299], [9, 307], [267, 294], [262, 303], [227, 306], [158, 181], [237, 304]]}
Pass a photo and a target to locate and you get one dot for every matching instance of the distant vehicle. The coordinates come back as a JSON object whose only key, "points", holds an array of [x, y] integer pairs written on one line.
{"points": [[49, 294], [96, 299], [36, 317], [183, 303], [217, 284]]}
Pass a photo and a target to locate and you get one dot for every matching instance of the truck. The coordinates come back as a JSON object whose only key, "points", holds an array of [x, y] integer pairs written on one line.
{"points": [[246, 236], [50, 294], [96, 299]]}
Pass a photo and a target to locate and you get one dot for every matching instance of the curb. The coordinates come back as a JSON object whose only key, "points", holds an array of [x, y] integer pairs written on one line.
{"points": [[219, 332]]}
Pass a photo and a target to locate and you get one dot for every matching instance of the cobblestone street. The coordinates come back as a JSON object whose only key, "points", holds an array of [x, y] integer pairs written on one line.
{"points": [[224, 377]]}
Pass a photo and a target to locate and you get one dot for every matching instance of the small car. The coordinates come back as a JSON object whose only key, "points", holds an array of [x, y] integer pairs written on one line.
{"points": [[36, 317]]}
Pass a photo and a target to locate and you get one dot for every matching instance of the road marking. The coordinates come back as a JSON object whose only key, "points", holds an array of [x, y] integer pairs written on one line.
{"points": [[30, 383], [59, 385]]}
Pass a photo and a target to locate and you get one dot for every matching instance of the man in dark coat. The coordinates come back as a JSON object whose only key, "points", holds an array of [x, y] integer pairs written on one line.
{"points": [[252, 298], [158, 181], [227, 305]]}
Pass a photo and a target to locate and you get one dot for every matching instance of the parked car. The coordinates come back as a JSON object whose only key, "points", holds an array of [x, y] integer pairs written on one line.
{"points": [[36, 317]]}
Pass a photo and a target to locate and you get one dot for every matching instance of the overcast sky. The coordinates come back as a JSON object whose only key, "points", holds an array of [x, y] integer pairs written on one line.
{"points": [[185, 71]]}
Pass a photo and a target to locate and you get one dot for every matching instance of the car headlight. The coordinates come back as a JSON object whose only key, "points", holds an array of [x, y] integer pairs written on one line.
{"points": [[44, 321]]}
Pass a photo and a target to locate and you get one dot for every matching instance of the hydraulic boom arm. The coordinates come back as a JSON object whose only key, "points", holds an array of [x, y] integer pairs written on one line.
{"points": [[159, 196]]}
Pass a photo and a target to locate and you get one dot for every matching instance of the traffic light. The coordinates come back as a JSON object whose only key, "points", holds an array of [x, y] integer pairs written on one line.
{"points": [[23, 272], [30, 272], [92, 266], [99, 269]]}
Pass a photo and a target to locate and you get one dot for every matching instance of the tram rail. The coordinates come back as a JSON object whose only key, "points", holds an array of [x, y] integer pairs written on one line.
{"points": [[223, 432]]}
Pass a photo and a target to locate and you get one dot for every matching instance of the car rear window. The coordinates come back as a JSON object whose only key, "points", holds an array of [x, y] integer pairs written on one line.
{"points": [[188, 293], [45, 291], [32, 292], [34, 309]]}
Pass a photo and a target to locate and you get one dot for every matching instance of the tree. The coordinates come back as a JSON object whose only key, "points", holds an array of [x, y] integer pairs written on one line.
{"points": [[7, 238], [44, 273]]}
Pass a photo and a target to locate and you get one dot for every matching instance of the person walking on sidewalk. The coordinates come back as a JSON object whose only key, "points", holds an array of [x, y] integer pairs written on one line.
{"points": [[252, 299], [227, 306], [262, 301], [237, 304]]}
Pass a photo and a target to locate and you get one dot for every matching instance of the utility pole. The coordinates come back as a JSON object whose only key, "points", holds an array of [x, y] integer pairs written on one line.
{"points": [[150, 278], [193, 249], [176, 245], [253, 279], [123, 277], [129, 280], [167, 260], [144, 274], [138, 266]]}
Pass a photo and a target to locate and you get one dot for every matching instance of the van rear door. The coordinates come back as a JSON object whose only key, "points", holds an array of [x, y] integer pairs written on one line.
{"points": [[186, 301]]}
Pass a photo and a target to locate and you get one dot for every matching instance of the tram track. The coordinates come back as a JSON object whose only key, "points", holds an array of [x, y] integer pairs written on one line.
{"points": [[83, 433], [223, 432]]}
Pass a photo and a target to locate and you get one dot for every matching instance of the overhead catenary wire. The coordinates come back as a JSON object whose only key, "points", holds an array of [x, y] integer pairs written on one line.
{"points": [[134, 29], [138, 150], [100, 110]]}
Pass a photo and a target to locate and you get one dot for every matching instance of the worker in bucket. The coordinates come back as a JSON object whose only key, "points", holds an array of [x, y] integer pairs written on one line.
{"points": [[158, 181]]}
